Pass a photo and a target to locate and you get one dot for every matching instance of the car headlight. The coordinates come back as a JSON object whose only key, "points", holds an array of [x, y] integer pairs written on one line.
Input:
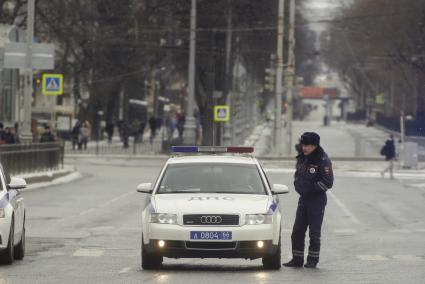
{"points": [[163, 218], [2, 213], [258, 219]]}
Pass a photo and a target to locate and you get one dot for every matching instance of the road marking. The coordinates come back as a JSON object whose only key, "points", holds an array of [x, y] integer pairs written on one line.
{"points": [[400, 231], [408, 257], [372, 257], [107, 203], [344, 208], [125, 270], [346, 231], [87, 211], [420, 230], [88, 252]]}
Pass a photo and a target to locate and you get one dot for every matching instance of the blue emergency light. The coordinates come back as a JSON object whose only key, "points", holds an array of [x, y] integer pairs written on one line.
{"points": [[211, 149]]}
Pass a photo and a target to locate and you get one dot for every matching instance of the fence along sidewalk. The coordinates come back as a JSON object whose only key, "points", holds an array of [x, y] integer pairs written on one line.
{"points": [[29, 158]]}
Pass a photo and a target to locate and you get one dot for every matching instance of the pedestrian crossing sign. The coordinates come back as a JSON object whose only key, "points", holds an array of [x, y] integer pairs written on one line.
{"points": [[221, 113], [52, 84]]}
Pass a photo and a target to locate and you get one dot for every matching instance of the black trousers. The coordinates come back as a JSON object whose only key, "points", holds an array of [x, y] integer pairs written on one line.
{"points": [[309, 214]]}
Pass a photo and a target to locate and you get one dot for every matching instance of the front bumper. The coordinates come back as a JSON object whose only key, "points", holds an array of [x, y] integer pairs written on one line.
{"points": [[182, 233], [243, 243], [189, 249]]}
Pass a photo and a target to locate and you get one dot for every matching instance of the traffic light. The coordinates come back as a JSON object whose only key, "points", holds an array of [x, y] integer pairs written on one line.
{"points": [[269, 79]]}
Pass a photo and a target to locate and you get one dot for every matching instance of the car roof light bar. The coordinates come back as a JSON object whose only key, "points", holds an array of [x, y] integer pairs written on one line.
{"points": [[211, 149]]}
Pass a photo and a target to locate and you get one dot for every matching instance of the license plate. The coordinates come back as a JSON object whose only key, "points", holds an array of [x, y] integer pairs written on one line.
{"points": [[208, 235]]}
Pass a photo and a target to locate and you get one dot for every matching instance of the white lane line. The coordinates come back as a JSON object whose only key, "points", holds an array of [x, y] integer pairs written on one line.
{"points": [[372, 257], [400, 231], [88, 252], [408, 257], [87, 211], [125, 270], [117, 198], [420, 230], [344, 208], [107, 203]]}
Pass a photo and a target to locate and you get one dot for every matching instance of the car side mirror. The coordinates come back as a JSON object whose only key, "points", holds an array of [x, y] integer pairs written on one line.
{"points": [[145, 188], [17, 183], [279, 189]]}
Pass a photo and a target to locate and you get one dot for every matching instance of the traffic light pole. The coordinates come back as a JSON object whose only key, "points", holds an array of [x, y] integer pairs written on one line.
{"points": [[279, 75], [25, 131]]}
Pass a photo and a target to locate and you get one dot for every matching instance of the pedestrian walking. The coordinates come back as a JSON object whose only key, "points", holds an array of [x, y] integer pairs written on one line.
{"points": [[125, 128], [109, 131], [85, 134], [180, 125], [142, 130], [153, 127], [313, 178], [75, 133], [388, 150]]}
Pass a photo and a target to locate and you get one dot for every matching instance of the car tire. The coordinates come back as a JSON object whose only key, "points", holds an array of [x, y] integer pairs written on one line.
{"points": [[273, 262], [7, 256], [20, 247], [150, 260]]}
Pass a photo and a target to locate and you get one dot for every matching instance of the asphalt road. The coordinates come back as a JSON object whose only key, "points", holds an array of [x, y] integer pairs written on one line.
{"points": [[89, 231]]}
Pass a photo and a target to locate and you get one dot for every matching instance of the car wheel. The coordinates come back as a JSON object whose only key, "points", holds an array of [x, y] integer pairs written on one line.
{"points": [[7, 255], [273, 262], [20, 247], [150, 260]]}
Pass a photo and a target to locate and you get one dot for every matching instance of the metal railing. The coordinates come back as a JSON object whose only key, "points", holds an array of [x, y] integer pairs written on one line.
{"points": [[29, 158]]}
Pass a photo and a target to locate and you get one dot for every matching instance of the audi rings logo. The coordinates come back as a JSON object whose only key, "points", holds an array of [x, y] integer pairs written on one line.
{"points": [[211, 219]]}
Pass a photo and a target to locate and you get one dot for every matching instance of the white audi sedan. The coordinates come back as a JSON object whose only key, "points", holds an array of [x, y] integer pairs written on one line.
{"points": [[12, 218], [211, 202]]}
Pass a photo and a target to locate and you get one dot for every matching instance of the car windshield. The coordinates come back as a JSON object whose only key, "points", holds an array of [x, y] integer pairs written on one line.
{"points": [[212, 178]]}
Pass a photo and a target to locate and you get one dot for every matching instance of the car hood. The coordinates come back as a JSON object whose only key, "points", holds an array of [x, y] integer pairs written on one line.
{"points": [[190, 203]]}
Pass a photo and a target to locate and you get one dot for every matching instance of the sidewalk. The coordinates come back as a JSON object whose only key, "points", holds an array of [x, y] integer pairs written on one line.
{"points": [[353, 148], [53, 177]]}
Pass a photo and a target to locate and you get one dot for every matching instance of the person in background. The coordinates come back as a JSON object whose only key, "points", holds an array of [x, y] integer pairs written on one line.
{"points": [[388, 150], [153, 127], [85, 134], [2, 133], [47, 136], [110, 131], [75, 135], [9, 136]]}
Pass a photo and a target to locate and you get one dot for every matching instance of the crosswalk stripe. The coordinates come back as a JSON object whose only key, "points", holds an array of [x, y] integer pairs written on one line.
{"points": [[345, 231], [372, 257], [125, 270], [88, 252], [408, 257]]}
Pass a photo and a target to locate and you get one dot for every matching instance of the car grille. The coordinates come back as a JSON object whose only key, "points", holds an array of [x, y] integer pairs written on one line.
{"points": [[211, 245], [210, 219]]}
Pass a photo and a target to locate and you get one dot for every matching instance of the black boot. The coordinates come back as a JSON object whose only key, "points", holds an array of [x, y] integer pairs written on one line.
{"points": [[310, 264], [294, 263]]}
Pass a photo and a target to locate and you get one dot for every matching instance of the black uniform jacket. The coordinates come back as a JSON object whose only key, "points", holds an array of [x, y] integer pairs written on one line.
{"points": [[313, 175]]}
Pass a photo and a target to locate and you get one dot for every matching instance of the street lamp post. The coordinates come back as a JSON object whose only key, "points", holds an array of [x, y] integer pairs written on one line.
{"points": [[26, 134], [189, 133]]}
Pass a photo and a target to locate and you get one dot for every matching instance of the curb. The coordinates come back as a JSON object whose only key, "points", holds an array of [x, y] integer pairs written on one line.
{"points": [[47, 177]]}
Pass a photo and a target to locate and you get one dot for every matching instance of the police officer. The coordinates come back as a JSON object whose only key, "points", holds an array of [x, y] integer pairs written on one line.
{"points": [[313, 177]]}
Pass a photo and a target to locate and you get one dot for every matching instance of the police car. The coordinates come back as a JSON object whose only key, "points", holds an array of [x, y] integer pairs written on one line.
{"points": [[12, 218], [209, 203]]}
